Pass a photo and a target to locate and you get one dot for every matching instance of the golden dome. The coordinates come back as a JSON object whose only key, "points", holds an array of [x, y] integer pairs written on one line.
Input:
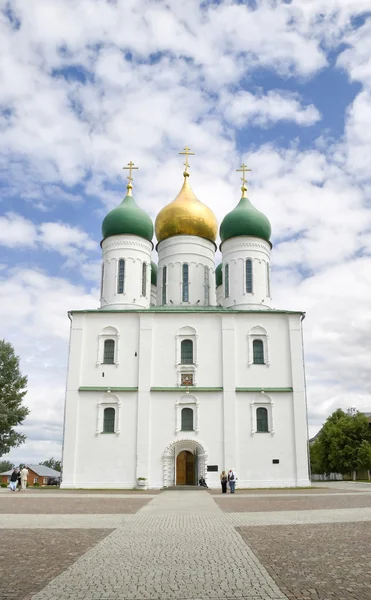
{"points": [[186, 215]]}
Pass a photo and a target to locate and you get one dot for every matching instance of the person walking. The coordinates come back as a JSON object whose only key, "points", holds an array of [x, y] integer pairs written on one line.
{"points": [[13, 480], [232, 480], [19, 482], [24, 475], [224, 481]]}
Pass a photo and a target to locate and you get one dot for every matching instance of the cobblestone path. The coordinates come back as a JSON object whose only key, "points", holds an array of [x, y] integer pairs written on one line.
{"points": [[180, 546]]}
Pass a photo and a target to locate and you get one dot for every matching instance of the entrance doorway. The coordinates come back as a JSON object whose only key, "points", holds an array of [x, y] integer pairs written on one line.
{"points": [[185, 468]]}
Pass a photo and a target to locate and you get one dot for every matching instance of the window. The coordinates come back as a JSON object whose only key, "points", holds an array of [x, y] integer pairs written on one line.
{"points": [[109, 352], [268, 282], [187, 419], [109, 420], [121, 276], [261, 420], [36, 480], [45, 480], [164, 273], [226, 281], [186, 352], [102, 281], [249, 276], [144, 279], [207, 286], [185, 294], [258, 352]]}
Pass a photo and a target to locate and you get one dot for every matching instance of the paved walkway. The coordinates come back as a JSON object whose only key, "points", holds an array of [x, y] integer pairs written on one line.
{"points": [[180, 546]]}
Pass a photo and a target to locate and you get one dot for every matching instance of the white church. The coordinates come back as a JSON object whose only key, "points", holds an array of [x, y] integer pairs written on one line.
{"points": [[186, 368]]}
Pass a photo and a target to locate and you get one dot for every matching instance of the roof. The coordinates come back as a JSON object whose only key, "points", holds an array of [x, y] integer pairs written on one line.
{"points": [[41, 470]]}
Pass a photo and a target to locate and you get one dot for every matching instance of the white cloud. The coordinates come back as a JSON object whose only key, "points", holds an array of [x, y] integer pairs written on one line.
{"points": [[263, 110], [17, 232]]}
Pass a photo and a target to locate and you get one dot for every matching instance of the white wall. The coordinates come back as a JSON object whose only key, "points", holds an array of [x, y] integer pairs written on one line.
{"points": [[148, 418]]}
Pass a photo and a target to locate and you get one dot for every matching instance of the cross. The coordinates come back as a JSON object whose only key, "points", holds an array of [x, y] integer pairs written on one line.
{"points": [[130, 168], [187, 152], [243, 170]]}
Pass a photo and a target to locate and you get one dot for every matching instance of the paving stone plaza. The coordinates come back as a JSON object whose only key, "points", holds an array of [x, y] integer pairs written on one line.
{"points": [[187, 544]]}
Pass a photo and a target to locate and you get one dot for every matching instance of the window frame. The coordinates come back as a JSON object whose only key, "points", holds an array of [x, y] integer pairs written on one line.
{"points": [[226, 281], [259, 353], [258, 333], [262, 400], [182, 354], [144, 279], [164, 285], [120, 287], [249, 281], [187, 408], [108, 333], [110, 420], [265, 420], [108, 400], [111, 351], [187, 401]]}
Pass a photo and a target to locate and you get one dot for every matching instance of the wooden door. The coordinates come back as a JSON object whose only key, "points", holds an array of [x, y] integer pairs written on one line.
{"points": [[181, 463], [185, 468]]}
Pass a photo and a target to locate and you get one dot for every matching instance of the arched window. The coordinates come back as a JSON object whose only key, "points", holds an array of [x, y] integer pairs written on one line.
{"points": [[121, 276], [102, 281], [109, 352], [109, 420], [164, 274], [268, 282], [258, 352], [144, 279], [249, 276], [186, 352], [226, 281], [185, 277], [207, 286], [187, 419], [262, 420]]}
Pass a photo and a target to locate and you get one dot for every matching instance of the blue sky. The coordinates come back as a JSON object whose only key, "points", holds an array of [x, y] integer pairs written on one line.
{"points": [[283, 86]]}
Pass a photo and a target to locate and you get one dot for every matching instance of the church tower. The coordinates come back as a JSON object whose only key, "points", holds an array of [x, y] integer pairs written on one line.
{"points": [[127, 273], [245, 274], [186, 231]]}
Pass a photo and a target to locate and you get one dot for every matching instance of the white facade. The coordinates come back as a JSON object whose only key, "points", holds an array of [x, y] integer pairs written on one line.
{"points": [[142, 386]]}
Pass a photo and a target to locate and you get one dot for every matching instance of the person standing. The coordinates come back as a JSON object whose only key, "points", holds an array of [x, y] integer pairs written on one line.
{"points": [[13, 480], [223, 481], [24, 475], [18, 485], [232, 480]]}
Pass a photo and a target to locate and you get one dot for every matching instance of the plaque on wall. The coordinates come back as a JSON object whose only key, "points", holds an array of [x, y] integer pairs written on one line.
{"points": [[212, 467], [276, 461], [186, 379]]}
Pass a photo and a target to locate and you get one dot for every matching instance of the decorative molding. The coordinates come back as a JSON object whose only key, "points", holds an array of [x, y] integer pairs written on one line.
{"points": [[185, 389], [108, 401], [187, 401], [258, 333], [172, 451], [263, 390], [190, 309], [127, 243], [262, 401], [106, 389]]}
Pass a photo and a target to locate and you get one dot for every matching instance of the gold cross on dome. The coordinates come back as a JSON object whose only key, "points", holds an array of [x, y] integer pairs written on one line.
{"points": [[130, 168], [243, 170], [186, 152]]}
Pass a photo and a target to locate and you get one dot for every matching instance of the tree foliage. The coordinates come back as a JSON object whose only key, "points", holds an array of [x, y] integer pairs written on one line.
{"points": [[343, 444], [6, 465], [12, 391], [52, 463]]}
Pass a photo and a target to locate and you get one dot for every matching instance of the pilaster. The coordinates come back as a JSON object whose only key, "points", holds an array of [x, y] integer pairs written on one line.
{"points": [[144, 396], [229, 392]]}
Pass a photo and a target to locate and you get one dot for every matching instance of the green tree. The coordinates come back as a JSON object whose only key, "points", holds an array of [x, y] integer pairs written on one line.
{"points": [[339, 443], [364, 457], [5, 465], [52, 463], [316, 461], [12, 391]]}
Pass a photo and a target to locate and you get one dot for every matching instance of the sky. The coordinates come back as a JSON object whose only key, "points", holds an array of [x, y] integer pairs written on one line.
{"points": [[284, 86]]}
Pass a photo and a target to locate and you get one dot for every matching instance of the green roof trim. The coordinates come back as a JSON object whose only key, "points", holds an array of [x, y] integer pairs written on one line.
{"points": [[184, 388], [219, 275], [189, 309], [245, 220], [106, 388], [128, 219], [268, 390]]}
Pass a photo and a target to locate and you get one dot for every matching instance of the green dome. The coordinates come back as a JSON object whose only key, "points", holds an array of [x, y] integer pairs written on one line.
{"points": [[153, 273], [219, 275], [128, 218], [245, 219]]}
